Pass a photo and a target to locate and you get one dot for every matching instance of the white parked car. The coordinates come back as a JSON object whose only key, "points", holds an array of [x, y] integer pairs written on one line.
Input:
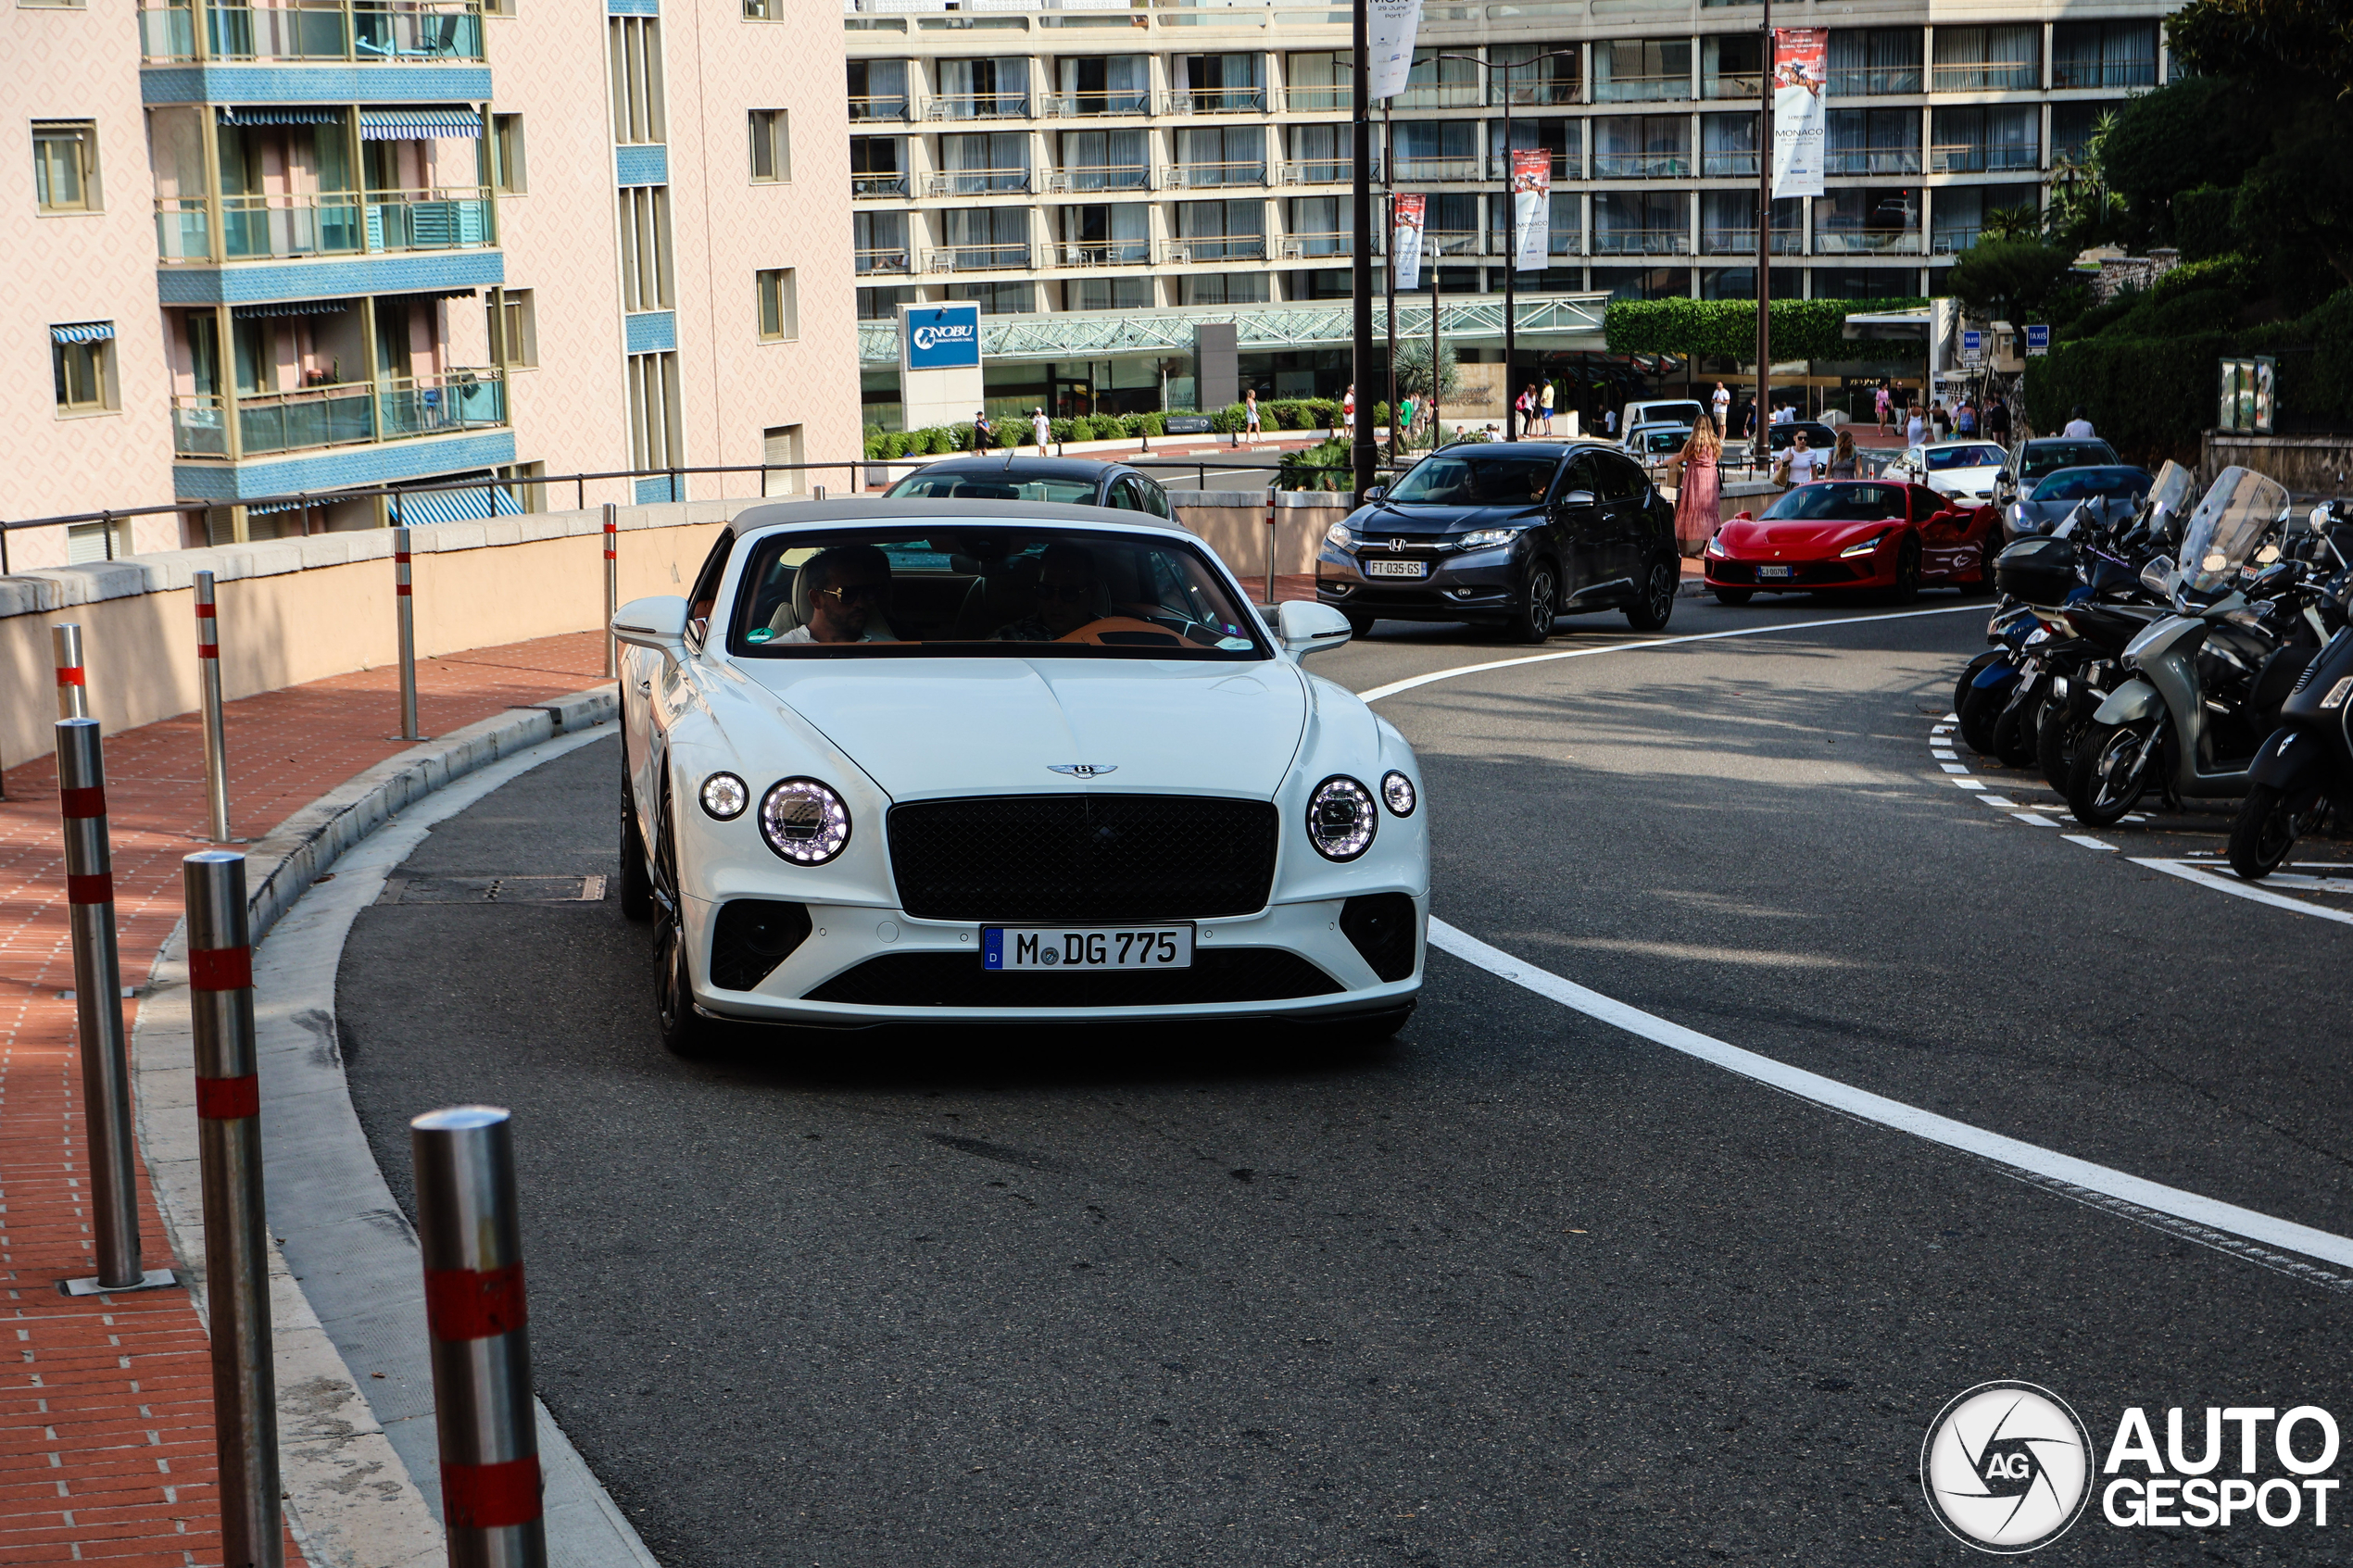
{"points": [[1964, 469], [897, 761]]}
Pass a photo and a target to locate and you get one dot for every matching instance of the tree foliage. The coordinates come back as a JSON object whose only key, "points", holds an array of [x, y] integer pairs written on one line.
{"points": [[2014, 280], [2264, 38], [1802, 329]]}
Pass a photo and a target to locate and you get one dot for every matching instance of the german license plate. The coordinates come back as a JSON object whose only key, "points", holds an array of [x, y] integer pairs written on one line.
{"points": [[1765, 572], [1064, 947], [1396, 569]]}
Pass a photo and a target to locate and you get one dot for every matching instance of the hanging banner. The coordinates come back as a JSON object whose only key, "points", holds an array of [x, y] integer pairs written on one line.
{"points": [[1801, 59], [1390, 26], [1406, 240], [1531, 208]]}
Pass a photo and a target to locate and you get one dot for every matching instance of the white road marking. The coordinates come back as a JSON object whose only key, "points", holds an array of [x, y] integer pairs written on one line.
{"points": [[2248, 890], [2087, 841], [2034, 819], [1965, 782], [1944, 755], [1953, 767], [2315, 883], [1998, 803], [1394, 687], [2035, 1162]]}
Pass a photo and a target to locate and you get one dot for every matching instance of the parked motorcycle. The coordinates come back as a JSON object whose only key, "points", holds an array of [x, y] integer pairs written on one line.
{"points": [[2303, 775]]}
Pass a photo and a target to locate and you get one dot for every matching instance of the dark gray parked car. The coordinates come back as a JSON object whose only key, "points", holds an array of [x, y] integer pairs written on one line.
{"points": [[1078, 481]]}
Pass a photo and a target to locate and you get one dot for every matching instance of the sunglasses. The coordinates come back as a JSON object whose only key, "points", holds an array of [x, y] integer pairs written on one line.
{"points": [[857, 593]]}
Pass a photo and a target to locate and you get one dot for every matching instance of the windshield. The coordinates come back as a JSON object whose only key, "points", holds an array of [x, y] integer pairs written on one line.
{"points": [[969, 486], [946, 591], [2046, 457], [1838, 503], [2238, 510], [1943, 457], [1662, 413], [1657, 441], [2173, 488], [1475, 478], [2077, 485]]}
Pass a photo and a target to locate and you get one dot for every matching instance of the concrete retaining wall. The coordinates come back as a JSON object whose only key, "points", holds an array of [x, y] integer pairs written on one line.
{"points": [[2316, 466]]}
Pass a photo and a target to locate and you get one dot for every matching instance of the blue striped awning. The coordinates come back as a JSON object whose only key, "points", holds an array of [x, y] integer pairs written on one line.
{"points": [[82, 332], [279, 114], [401, 125], [292, 308], [455, 506]]}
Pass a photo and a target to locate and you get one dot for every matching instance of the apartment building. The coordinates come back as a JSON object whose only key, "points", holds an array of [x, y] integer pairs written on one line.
{"points": [[281, 249], [1061, 158]]}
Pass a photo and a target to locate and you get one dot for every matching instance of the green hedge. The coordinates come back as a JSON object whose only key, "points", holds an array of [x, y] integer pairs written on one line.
{"points": [[1802, 329], [1280, 414]]}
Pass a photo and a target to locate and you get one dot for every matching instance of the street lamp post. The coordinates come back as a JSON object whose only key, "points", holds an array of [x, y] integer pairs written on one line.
{"points": [[1763, 450], [1365, 456]]}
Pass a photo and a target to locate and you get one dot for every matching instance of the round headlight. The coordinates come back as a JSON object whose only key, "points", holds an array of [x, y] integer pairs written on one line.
{"points": [[725, 797], [804, 821], [1337, 534], [1340, 819], [1398, 791]]}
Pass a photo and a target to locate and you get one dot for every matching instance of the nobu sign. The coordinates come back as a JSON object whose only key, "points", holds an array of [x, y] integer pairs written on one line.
{"points": [[940, 337]]}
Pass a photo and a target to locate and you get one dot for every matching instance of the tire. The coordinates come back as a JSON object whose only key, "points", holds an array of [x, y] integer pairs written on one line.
{"points": [[2112, 769], [1979, 708], [636, 883], [1907, 573], [2266, 831], [1984, 582], [2018, 733], [1539, 606], [1733, 597], [2055, 748], [1969, 675], [1359, 626], [684, 1033], [1650, 613]]}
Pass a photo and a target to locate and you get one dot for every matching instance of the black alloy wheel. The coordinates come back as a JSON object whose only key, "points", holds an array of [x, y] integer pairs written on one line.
{"points": [[1907, 573], [2113, 764], [684, 1033], [1650, 612], [1733, 596], [2268, 823], [1980, 708], [1539, 606], [1983, 581], [2055, 748], [636, 883]]}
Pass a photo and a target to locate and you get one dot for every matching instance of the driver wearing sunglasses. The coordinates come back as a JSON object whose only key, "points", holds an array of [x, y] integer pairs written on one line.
{"points": [[850, 587], [1069, 596]]}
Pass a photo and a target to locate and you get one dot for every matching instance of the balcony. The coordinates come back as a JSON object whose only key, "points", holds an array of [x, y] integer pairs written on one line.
{"points": [[1641, 242], [1665, 88], [1976, 158], [1323, 171], [869, 187], [1871, 160], [1983, 76], [994, 106], [1950, 242], [2103, 73], [978, 258], [978, 183], [1320, 98], [1317, 247], [1742, 242], [1867, 242], [1646, 166], [1874, 81], [1216, 247], [1439, 170], [1469, 95], [1453, 242], [1103, 253], [881, 260], [422, 31], [357, 414], [1559, 241], [1215, 100], [283, 227], [1214, 176], [1100, 177], [1097, 105], [1730, 165], [881, 110]]}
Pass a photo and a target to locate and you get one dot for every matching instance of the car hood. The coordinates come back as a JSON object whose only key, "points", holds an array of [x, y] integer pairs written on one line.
{"points": [[1974, 481], [1410, 522], [1797, 535], [924, 728]]}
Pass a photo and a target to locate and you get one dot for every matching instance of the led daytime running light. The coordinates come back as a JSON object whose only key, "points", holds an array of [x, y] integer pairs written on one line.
{"points": [[1342, 819], [804, 821]]}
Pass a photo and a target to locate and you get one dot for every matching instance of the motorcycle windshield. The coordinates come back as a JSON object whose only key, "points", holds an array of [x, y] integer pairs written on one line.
{"points": [[2239, 509], [2171, 490]]}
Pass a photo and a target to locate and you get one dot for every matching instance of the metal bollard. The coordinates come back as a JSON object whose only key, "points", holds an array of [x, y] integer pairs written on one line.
{"points": [[97, 1005], [216, 743], [612, 589], [1270, 548], [471, 1241], [406, 611], [236, 1241], [73, 687]]}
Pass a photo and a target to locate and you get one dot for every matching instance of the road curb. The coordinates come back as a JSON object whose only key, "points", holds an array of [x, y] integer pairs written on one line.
{"points": [[350, 1501]]}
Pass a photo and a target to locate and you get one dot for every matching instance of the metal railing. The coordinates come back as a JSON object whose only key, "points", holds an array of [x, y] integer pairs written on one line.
{"points": [[869, 109], [1215, 100], [1539, 93], [1867, 242], [1978, 157], [1453, 242], [1469, 95], [1664, 88], [1867, 160], [2103, 73], [1221, 247], [1641, 242], [1874, 81], [1304, 247], [1318, 99], [1952, 242], [1214, 176], [978, 183], [1732, 84], [1100, 177], [1438, 170], [414, 32], [1098, 106], [1103, 253], [1641, 165], [1985, 76], [977, 258], [1323, 171], [1742, 242], [866, 187], [345, 414], [992, 105], [882, 258], [289, 224], [1727, 164]]}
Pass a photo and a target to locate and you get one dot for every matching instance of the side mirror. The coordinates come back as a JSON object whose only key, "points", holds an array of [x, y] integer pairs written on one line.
{"points": [[1306, 627], [1743, 516], [1577, 499], [2003, 478], [659, 622], [1375, 492], [2157, 575]]}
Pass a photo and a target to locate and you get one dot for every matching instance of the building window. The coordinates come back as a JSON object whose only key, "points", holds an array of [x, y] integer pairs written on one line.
{"points": [[634, 44], [82, 360], [1732, 64], [878, 241], [781, 446], [498, 9], [882, 305], [654, 436], [878, 166], [1988, 59], [1874, 62], [779, 304], [65, 165], [771, 146], [1643, 71], [508, 170], [646, 260], [763, 10], [1108, 293], [514, 328], [995, 299], [532, 497], [877, 90], [2104, 55]]}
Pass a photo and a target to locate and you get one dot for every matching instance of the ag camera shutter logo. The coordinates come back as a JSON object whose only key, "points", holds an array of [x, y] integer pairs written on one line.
{"points": [[2006, 1467]]}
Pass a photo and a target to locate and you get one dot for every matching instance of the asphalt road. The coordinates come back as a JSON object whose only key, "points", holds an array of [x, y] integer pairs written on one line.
{"points": [[1522, 1289]]}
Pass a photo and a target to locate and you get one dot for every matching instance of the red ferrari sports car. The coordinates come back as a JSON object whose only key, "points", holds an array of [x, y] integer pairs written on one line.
{"points": [[1836, 535]]}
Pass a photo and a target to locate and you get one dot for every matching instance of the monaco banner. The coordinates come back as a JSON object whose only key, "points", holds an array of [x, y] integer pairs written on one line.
{"points": [[1390, 28], [1800, 58], [1531, 208], [1406, 240]]}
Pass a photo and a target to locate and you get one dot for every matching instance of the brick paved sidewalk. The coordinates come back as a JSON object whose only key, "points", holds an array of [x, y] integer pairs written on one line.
{"points": [[106, 1418]]}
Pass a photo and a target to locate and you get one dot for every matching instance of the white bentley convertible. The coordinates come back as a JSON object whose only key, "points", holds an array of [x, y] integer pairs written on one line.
{"points": [[980, 760]]}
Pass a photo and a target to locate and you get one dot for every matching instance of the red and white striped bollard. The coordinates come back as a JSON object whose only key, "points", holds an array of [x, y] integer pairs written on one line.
{"points": [[216, 743], [613, 588], [406, 609], [73, 686]]}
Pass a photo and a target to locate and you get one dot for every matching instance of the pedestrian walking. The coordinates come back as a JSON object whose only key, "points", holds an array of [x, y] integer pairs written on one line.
{"points": [[1042, 429], [1941, 418], [1544, 406], [1914, 428], [1405, 413], [1699, 489], [2079, 428], [1883, 401], [1524, 410], [1348, 410], [1843, 463], [1996, 421], [984, 433], [1610, 421], [1964, 418], [1250, 415]]}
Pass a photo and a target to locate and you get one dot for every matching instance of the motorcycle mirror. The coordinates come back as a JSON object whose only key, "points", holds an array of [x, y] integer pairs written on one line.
{"points": [[2157, 575]]}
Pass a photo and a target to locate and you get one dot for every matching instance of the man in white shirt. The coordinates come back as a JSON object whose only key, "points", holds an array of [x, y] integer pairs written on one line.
{"points": [[1042, 428], [2079, 428], [849, 586], [1723, 402], [1806, 463], [1784, 414]]}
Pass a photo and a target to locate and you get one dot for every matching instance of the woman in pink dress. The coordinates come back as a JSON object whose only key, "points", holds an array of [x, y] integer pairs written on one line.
{"points": [[1698, 488]]}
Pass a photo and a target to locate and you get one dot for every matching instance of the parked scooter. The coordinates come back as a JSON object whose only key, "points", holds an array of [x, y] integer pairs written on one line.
{"points": [[2304, 773], [2207, 681]]}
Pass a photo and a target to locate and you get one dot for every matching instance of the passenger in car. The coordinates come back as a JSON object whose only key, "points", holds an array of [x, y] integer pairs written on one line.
{"points": [[1070, 595], [848, 585]]}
